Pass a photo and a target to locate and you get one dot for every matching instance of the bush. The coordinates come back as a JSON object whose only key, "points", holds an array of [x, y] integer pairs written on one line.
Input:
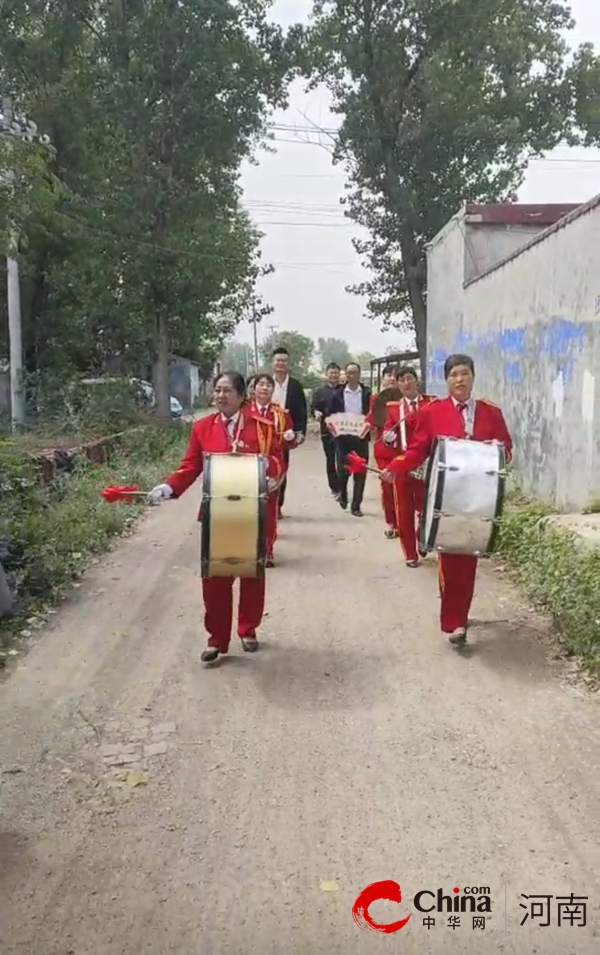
{"points": [[558, 574], [48, 534]]}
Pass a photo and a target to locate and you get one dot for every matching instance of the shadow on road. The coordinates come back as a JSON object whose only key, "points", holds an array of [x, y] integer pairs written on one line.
{"points": [[325, 679]]}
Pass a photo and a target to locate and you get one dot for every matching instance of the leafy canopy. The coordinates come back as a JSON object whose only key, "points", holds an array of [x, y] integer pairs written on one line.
{"points": [[151, 106], [443, 101]]}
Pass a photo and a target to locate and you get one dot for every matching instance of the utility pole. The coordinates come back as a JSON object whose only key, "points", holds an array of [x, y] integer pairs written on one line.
{"points": [[25, 130], [254, 321], [15, 334]]}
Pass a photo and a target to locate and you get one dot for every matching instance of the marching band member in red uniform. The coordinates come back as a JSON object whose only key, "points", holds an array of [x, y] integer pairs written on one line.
{"points": [[276, 441], [407, 491], [233, 428], [384, 454], [454, 417]]}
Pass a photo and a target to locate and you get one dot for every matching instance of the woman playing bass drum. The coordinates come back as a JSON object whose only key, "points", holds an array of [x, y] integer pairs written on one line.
{"points": [[233, 430], [457, 416]]}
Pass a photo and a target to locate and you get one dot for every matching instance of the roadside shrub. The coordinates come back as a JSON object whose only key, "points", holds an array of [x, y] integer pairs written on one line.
{"points": [[557, 572], [48, 534]]}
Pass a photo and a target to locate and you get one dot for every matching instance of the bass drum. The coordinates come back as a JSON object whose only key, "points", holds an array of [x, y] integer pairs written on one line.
{"points": [[464, 496], [234, 515]]}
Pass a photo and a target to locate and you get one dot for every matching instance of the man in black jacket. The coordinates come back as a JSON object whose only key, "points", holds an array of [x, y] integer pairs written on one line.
{"points": [[320, 407], [289, 393], [351, 398]]}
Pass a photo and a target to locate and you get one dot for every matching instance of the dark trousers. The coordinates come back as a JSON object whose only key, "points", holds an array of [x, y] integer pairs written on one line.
{"points": [[283, 485], [344, 445], [328, 442]]}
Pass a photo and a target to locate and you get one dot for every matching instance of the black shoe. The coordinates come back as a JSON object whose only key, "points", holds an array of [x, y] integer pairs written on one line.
{"points": [[356, 512], [343, 502], [210, 655], [413, 563], [270, 561], [250, 644], [390, 534]]}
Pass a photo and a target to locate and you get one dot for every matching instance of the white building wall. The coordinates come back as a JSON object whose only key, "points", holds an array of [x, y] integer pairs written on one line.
{"points": [[532, 325]]}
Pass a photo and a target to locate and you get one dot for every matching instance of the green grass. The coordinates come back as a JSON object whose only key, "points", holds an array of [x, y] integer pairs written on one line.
{"points": [[557, 574], [47, 536]]}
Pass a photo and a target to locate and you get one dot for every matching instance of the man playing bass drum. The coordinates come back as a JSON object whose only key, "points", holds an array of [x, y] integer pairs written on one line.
{"points": [[234, 427], [408, 491], [457, 416]]}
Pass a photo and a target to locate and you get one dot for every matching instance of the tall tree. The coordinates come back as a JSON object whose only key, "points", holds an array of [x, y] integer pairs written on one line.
{"points": [[334, 349], [152, 106], [301, 350], [433, 116]]}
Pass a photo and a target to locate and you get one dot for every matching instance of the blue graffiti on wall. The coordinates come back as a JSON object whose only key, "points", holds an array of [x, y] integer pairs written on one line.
{"points": [[561, 338]]}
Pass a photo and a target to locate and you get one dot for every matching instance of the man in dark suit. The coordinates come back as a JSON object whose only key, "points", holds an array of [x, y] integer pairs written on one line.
{"points": [[320, 407], [352, 398], [289, 393]]}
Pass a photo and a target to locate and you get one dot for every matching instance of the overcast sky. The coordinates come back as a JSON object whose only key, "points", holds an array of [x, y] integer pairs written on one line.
{"points": [[294, 195]]}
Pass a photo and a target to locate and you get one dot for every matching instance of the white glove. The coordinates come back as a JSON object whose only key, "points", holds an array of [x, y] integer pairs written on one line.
{"points": [[160, 493], [300, 439], [289, 435], [389, 437], [272, 484], [318, 415]]}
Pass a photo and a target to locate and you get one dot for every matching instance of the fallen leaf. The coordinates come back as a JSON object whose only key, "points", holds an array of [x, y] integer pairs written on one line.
{"points": [[137, 778], [330, 886]]}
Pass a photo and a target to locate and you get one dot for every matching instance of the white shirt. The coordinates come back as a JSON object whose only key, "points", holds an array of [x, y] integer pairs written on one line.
{"points": [[468, 405], [353, 400], [281, 390], [230, 423], [412, 404]]}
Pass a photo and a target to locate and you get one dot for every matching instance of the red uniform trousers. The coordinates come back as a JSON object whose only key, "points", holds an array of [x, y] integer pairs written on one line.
{"points": [[218, 609], [409, 498], [457, 585], [383, 458]]}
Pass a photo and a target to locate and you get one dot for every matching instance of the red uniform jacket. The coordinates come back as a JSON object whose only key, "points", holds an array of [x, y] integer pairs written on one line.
{"points": [[209, 436], [441, 419], [282, 422], [381, 450], [392, 422]]}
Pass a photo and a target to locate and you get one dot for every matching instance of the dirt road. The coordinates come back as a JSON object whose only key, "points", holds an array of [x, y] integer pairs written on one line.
{"points": [[355, 747]]}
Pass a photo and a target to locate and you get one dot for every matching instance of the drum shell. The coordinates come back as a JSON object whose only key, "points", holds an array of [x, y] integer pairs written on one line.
{"points": [[464, 496], [234, 516]]}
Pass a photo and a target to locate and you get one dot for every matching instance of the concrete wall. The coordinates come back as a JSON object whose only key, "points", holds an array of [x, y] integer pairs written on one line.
{"points": [[532, 325]]}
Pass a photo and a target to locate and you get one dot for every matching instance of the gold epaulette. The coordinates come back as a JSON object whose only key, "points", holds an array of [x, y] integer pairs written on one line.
{"points": [[390, 404]]}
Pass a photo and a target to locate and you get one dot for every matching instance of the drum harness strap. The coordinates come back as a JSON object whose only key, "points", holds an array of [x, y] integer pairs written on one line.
{"points": [[403, 442]]}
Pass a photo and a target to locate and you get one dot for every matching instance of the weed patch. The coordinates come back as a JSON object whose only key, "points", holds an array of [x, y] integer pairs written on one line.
{"points": [[47, 535], [557, 573]]}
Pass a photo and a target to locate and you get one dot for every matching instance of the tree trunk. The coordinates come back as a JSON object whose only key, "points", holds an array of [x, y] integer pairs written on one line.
{"points": [[162, 388], [413, 270]]}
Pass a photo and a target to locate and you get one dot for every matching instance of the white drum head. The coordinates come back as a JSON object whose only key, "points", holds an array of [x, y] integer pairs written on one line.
{"points": [[428, 530]]}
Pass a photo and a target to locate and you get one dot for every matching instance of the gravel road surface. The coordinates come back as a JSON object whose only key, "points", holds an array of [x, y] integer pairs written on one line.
{"points": [[149, 806]]}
